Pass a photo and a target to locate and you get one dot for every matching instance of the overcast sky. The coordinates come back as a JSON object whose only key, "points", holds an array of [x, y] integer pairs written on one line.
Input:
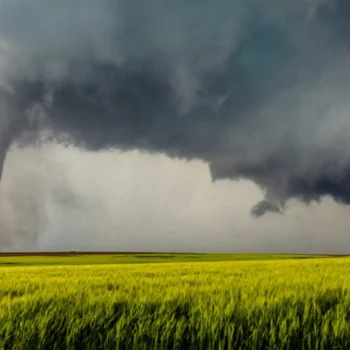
{"points": [[254, 90], [131, 201]]}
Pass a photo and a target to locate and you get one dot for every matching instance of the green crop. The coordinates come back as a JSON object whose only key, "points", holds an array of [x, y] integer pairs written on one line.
{"points": [[280, 304], [134, 258]]}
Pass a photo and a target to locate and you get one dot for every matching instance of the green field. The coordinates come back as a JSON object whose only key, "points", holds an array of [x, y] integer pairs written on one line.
{"points": [[241, 302], [135, 258]]}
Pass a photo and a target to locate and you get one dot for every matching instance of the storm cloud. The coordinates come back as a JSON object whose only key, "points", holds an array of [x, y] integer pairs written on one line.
{"points": [[257, 89]]}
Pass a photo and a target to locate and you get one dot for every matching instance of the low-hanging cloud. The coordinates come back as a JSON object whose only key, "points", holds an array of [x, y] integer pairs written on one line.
{"points": [[52, 198], [258, 90]]}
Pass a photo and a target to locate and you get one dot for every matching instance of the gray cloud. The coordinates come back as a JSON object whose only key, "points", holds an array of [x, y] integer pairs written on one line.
{"points": [[52, 198], [258, 90]]}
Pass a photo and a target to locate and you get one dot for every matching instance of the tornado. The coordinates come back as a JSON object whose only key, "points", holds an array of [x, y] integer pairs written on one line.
{"points": [[8, 126]]}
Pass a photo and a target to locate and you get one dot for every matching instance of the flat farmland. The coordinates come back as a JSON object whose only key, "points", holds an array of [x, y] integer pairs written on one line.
{"points": [[93, 258], [117, 301]]}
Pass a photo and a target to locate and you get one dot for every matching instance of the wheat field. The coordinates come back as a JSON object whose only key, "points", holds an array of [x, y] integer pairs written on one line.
{"points": [[266, 304]]}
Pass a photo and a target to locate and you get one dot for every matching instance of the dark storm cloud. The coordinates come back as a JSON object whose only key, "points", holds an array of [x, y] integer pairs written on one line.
{"points": [[258, 89]]}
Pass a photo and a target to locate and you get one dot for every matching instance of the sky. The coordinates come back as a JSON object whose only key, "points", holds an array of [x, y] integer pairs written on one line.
{"points": [[175, 125], [57, 198]]}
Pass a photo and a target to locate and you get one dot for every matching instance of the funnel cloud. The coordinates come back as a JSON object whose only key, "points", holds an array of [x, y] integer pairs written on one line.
{"points": [[258, 90]]}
